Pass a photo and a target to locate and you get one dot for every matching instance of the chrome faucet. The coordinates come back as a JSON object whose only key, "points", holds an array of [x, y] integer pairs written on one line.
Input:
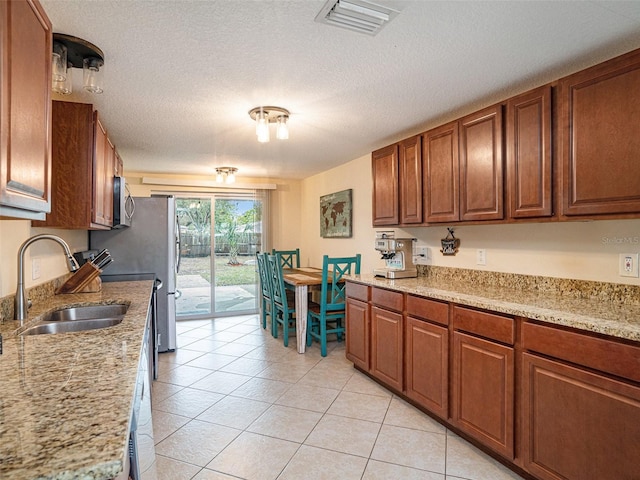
{"points": [[21, 304]]}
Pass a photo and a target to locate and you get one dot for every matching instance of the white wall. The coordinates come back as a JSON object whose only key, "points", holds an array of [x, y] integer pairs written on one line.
{"points": [[579, 250], [50, 255]]}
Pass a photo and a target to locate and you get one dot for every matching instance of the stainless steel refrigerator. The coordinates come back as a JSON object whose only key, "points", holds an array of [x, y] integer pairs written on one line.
{"points": [[150, 245]]}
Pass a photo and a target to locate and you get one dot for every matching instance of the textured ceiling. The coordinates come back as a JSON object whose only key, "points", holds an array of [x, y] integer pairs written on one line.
{"points": [[180, 76]]}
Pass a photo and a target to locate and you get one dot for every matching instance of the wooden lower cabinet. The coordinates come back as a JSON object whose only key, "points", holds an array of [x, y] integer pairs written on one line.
{"points": [[578, 424], [427, 365], [386, 346], [483, 391], [357, 333]]}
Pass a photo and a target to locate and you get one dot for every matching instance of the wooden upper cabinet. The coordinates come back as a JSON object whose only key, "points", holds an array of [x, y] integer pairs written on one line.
{"points": [[410, 185], [600, 138], [384, 163], [529, 154], [25, 109], [83, 167], [481, 172], [441, 174]]}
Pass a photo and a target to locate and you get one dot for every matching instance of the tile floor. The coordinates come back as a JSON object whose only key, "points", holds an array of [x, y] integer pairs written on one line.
{"points": [[232, 402]]}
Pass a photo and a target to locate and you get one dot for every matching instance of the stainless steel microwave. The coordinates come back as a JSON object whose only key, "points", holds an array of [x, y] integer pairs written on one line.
{"points": [[123, 203]]}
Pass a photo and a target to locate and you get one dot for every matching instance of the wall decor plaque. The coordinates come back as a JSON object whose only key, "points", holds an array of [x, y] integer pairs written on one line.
{"points": [[450, 243], [336, 215]]}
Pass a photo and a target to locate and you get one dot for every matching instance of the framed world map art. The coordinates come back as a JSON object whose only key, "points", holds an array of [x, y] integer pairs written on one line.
{"points": [[335, 215]]}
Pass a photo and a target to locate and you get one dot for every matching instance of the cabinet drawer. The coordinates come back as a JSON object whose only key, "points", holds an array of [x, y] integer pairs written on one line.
{"points": [[431, 310], [387, 299], [600, 354], [489, 325], [358, 291]]}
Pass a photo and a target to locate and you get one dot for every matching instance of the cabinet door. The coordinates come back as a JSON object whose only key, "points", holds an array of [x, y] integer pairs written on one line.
{"points": [[386, 347], [102, 157], [385, 186], [427, 354], [357, 333], [410, 187], [599, 138], [481, 172], [441, 174], [25, 109], [529, 189], [483, 391], [578, 424]]}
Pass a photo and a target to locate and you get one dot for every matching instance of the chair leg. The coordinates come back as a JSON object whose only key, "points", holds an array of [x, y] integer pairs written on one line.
{"points": [[323, 338], [264, 313], [309, 327], [285, 328]]}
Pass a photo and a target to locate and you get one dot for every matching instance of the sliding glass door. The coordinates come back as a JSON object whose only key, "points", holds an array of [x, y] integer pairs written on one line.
{"points": [[221, 234]]}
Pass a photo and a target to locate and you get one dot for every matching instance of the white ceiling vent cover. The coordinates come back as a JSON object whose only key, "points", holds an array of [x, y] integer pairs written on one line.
{"points": [[358, 15]]}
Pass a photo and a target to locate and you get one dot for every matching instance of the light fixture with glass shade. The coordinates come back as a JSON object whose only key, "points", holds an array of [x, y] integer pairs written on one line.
{"points": [[73, 52], [263, 116], [226, 174]]}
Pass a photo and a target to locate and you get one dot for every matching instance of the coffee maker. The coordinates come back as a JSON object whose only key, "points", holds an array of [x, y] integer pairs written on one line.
{"points": [[397, 254]]}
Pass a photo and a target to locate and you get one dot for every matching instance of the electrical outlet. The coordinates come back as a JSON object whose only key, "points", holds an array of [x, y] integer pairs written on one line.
{"points": [[481, 256], [35, 268], [628, 265], [422, 255]]}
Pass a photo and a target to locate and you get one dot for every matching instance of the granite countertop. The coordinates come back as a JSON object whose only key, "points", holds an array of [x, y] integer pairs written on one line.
{"points": [[591, 314], [66, 399]]}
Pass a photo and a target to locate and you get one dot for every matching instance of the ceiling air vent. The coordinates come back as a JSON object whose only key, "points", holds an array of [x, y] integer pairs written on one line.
{"points": [[358, 15]]}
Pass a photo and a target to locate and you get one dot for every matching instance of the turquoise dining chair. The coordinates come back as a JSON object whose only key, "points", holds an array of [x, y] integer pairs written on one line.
{"points": [[283, 300], [327, 317], [266, 297], [289, 258]]}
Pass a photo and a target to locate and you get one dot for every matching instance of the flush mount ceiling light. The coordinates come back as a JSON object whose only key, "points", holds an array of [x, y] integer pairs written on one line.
{"points": [[226, 174], [266, 115], [357, 15], [75, 52]]}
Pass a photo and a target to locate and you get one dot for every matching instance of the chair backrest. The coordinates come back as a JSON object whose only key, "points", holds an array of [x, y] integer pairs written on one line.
{"points": [[263, 273], [279, 294], [289, 258], [333, 292]]}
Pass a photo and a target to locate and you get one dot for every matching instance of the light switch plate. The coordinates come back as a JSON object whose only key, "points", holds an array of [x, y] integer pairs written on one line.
{"points": [[628, 265], [422, 255], [35, 268]]}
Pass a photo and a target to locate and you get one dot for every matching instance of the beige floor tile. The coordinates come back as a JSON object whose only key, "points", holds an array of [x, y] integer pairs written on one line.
{"points": [[212, 361], [164, 424], [308, 397], [361, 406], [188, 402], [206, 345], [286, 423], [346, 435], [269, 351], [183, 375], [466, 461], [311, 463], [197, 442], [386, 471], [211, 475], [246, 366], [262, 389], [411, 448], [172, 469], [226, 336], [161, 390], [252, 339], [180, 356], [325, 375], [236, 349], [234, 412], [254, 457], [242, 328], [285, 371], [221, 382], [360, 383], [402, 414]]}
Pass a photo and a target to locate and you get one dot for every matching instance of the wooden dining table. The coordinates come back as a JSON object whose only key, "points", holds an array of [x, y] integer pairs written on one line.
{"points": [[302, 279]]}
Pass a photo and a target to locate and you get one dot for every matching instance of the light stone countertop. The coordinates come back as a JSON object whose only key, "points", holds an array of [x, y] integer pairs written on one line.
{"points": [[66, 399], [591, 314]]}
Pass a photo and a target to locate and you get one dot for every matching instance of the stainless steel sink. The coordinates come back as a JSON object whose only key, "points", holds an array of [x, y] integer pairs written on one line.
{"points": [[77, 319]]}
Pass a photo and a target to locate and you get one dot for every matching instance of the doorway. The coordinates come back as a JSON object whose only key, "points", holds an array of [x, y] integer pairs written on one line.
{"points": [[220, 235]]}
